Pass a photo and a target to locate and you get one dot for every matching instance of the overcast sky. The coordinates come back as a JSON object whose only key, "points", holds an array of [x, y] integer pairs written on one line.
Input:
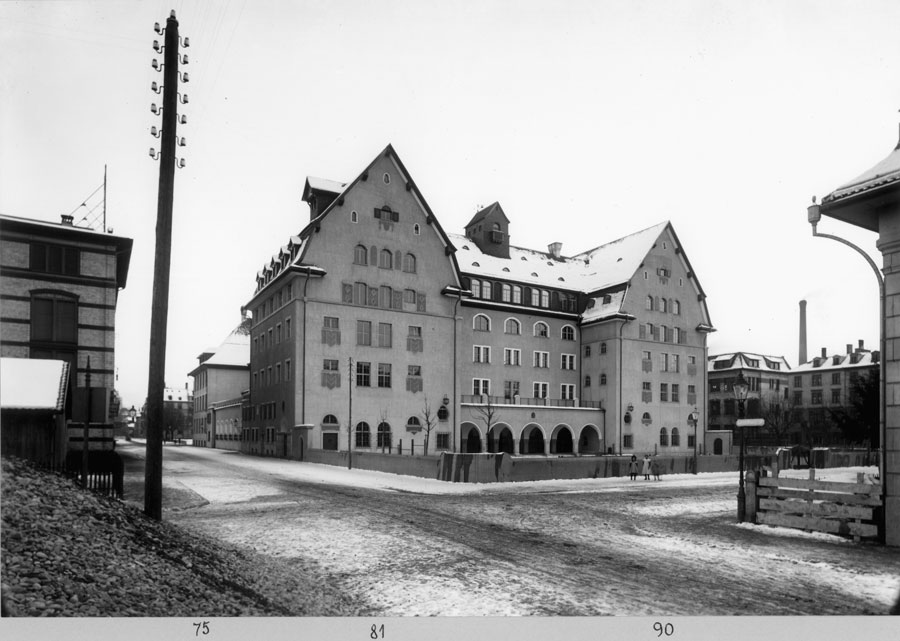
{"points": [[587, 120]]}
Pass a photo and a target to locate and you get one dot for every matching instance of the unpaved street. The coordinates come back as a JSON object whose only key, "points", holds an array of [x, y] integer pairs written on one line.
{"points": [[591, 547]]}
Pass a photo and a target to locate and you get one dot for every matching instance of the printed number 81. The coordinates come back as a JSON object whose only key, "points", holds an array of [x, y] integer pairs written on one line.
{"points": [[663, 629]]}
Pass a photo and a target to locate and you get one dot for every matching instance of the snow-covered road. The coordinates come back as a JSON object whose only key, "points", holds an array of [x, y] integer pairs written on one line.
{"points": [[412, 546]]}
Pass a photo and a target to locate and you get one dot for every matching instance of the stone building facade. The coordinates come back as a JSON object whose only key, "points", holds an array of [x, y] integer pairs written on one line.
{"points": [[373, 327]]}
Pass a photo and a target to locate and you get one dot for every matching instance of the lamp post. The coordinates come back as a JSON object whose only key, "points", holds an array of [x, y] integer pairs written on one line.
{"points": [[814, 215], [740, 389], [692, 420]]}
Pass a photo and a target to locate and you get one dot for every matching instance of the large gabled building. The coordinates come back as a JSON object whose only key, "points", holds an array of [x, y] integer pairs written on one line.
{"points": [[371, 313]]}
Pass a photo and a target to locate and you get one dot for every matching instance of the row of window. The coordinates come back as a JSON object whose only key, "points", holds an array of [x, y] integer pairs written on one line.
{"points": [[668, 392], [816, 380], [383, 296], [664, 305], [817, 397], [663, 333], [482, 323], [385, 259], [513, 356], [272, 375], [272, 336], [385, 215], [482, 387], [664, 440], [273, 302], [667, 362], [519, 295]]}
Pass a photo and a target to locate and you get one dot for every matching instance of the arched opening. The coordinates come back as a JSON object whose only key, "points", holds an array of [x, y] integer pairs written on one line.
{"points": [[564, 443], [470, 442], [717, 446], [589, 440], [505, 441], [532, 440]]}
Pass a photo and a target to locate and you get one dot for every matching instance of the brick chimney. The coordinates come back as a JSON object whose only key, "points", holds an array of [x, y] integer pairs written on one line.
{"points": [[802, 332], [555, 250]]}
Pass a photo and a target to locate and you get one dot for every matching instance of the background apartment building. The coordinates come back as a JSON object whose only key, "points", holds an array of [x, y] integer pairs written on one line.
{"points": [[221, 377]]}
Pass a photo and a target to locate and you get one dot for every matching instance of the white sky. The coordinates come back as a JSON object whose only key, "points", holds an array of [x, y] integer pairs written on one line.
{"points": [[591, 118]]}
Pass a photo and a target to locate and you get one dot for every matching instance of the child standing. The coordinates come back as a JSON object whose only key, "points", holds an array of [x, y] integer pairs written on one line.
{"points": [[646, 467], [633, 468]]}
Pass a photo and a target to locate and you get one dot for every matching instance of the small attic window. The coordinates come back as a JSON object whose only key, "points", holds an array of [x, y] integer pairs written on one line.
{"points": [[619, 259], [417, 230], [534, 274], [386, 178], [354, 217], [665, 245], [561, 279], [591, 302], [550, 262], [466, 247], [607, 299], [475, 265], [523, 258], [506, 269]]}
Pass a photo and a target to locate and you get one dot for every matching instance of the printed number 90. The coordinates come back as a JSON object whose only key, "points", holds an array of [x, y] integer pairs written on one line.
{"points": [[663, 629]]}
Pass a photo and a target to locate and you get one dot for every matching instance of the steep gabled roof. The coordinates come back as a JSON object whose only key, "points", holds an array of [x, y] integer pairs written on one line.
{"points": [[484, 212]]}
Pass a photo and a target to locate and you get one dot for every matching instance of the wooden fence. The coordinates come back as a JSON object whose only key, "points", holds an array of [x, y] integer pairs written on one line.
{"points": [[846, 509]]}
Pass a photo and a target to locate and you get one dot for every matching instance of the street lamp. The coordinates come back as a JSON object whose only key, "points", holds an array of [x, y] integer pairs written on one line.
{"points": [[740, 389], [132, 413], [692, 420]]}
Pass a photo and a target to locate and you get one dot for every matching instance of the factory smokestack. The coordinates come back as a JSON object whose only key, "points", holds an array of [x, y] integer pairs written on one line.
{"points": [[802, 332]]}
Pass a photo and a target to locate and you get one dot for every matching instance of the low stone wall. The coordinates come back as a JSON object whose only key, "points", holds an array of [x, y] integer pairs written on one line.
{"points": [[421, 466], [500, 468], [828, 457]]}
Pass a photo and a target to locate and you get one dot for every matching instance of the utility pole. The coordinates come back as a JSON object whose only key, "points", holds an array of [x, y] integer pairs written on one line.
{"points": [[350, 414], [160, 305]]}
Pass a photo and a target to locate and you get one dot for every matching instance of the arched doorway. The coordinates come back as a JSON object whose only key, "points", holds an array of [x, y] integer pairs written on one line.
{"points": [[589, 440], [717, 446]]}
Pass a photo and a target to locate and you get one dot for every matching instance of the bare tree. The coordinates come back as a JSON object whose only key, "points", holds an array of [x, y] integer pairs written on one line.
{"points": [[778, 413], [487, 412], [430, 422], [383, 438]]}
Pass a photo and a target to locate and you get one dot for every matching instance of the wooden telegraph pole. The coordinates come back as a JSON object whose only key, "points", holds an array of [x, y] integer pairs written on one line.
{"points": [[160, 305]]}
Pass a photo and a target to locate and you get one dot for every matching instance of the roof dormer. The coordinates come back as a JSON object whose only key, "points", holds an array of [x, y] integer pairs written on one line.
{"points": [[489, 229]]}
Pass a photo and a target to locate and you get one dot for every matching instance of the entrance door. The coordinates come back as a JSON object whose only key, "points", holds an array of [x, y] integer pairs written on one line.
{"points": [[717, 446]]}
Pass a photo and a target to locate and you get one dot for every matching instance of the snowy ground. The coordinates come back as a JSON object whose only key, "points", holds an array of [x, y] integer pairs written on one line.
{"points": [[413, 546]]}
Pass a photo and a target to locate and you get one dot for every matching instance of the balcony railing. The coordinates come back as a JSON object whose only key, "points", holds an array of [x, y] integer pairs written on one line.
{"points": [[480, 399]]}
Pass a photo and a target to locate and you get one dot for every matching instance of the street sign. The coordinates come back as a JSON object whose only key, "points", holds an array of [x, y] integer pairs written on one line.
{"points": [[751, 422]]}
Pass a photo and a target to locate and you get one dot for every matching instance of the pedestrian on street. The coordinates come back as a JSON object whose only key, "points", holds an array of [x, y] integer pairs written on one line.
{"points": [[655, 466], [633, 468], [646, 467]]}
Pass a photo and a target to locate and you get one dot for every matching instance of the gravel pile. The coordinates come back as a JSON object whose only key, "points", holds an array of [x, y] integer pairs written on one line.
{"points": [[69, 552]]}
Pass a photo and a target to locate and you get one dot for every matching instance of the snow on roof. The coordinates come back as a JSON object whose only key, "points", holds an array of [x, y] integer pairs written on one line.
{"points": [[748, 360], [324, 184], [234, 351], [598, 309], [33, 384], [886, 171], [858, 359], [611, 264]]}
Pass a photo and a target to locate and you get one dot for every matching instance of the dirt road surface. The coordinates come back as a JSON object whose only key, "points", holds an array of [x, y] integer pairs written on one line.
{"points": [[589, 547]]}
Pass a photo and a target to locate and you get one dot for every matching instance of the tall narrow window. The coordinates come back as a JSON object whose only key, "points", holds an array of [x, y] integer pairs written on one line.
{"points": [[512, 326], [409, 263], [363, 332], [360, 255], [385, 331], [54, 318]]}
